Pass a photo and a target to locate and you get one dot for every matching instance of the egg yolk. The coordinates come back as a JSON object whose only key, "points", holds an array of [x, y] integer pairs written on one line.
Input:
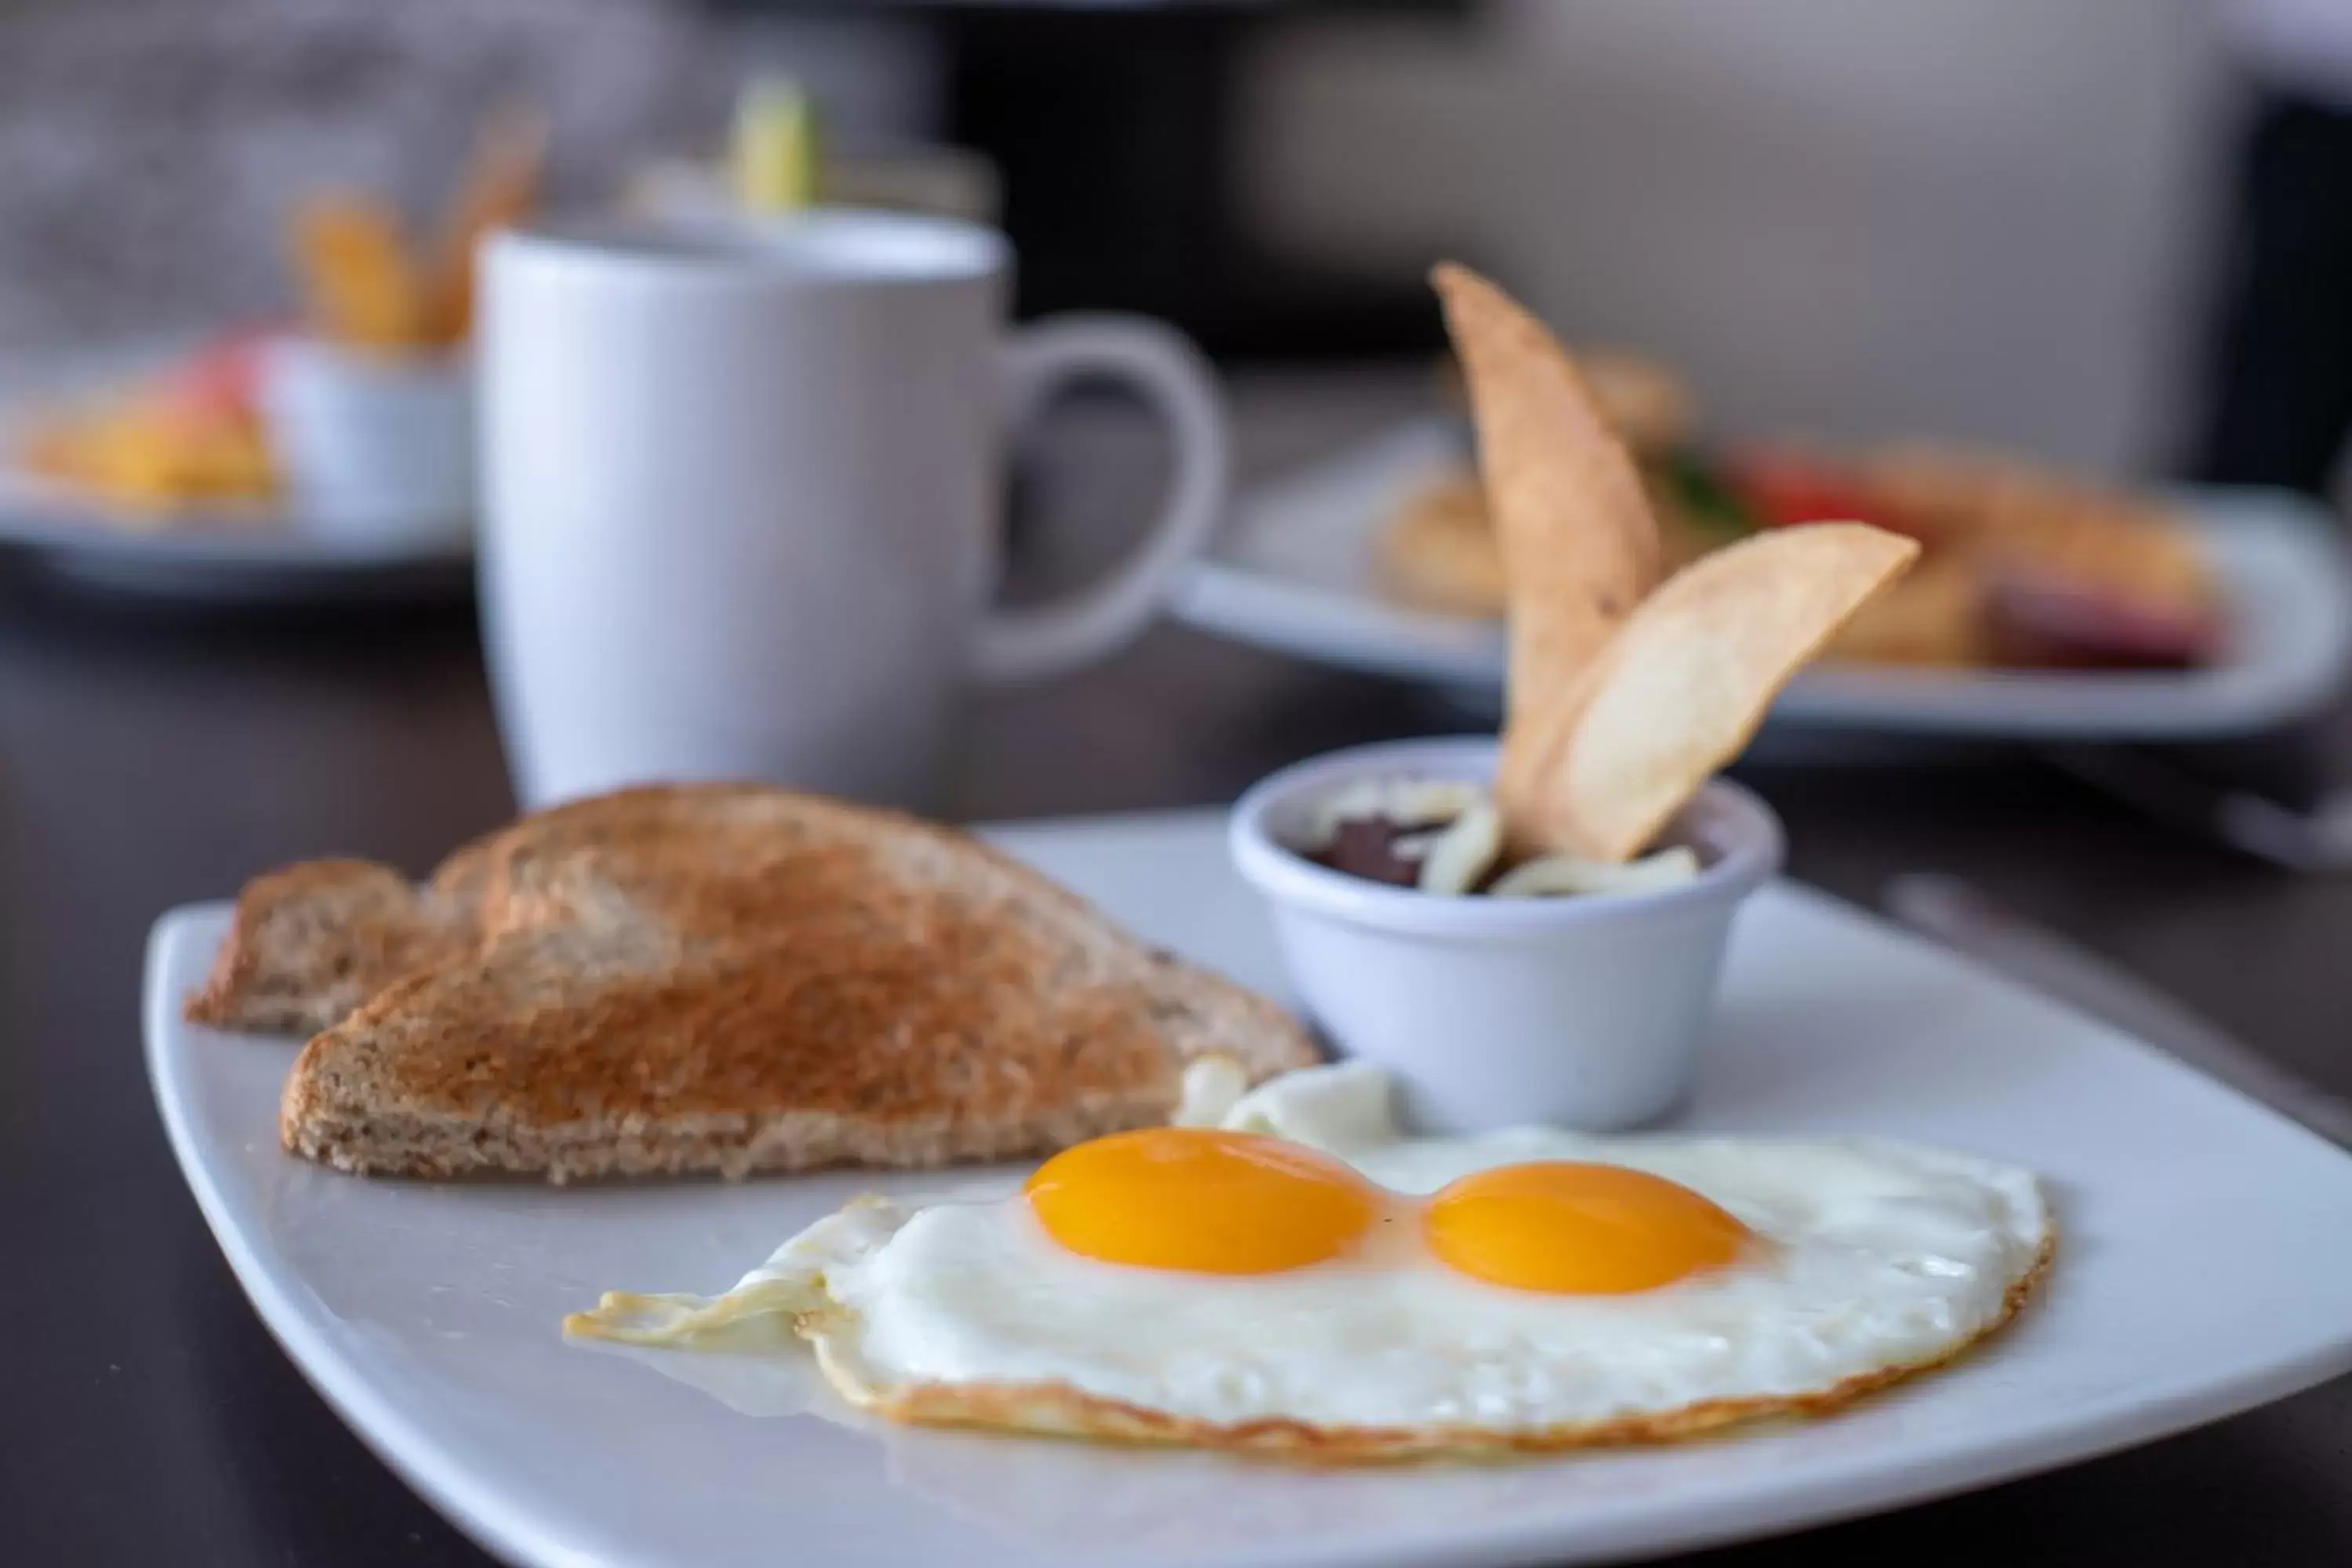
{"points": [[1571, 1227], [1202, 1200]]}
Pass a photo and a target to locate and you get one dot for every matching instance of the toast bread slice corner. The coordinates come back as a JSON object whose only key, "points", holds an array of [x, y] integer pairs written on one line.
{"points": [[312, 942], [729, 979], [309, 942]]}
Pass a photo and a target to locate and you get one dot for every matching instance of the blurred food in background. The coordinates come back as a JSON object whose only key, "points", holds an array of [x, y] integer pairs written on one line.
{"points": [[781, 158], [353, 415], [775, 148], [187, 435], [2025, 565], [333, 408], [369, 285]]}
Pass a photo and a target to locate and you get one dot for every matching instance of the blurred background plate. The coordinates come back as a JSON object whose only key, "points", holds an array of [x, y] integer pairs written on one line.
{"points": [[229, 554], [1295, 572], [222, 561]]}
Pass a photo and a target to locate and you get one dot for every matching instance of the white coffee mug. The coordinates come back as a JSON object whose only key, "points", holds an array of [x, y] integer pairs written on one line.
{"points": [[741, 490]]}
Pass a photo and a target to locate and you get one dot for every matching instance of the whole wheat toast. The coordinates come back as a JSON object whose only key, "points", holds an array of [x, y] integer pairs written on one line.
{"points": [[718, 978], [312, 942]]}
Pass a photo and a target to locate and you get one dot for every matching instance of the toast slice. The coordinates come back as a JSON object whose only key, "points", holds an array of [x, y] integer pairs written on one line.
{"points": [[312, 943], [730, 979]]}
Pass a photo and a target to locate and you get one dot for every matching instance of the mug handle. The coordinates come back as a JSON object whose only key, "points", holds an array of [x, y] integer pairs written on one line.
{"points": [[1178, 384]]}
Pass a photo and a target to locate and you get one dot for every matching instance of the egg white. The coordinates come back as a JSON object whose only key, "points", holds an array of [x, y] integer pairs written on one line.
{"points": [[1873, 1257]]}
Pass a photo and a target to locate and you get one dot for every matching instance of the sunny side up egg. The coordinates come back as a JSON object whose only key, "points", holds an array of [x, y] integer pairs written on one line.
{"points": [[1304, 1279]]}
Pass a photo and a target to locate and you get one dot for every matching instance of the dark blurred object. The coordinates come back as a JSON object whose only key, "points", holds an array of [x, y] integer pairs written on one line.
{"points": [[1115, 130], [2045, 625], [2283, 364], [1366, 846], [2273, 798]]}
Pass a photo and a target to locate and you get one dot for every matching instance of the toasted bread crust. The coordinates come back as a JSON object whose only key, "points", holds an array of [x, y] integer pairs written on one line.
{"points": [[312, 942], [736, 978]]}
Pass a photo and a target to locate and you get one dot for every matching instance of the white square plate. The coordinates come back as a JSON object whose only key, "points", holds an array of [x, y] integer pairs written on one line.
{"points": [[2202, 1270], [1295, 570]]}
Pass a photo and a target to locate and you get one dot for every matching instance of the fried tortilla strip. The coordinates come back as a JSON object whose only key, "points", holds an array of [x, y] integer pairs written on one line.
{"points": [[1683, 684], [1579, 546], [358, 283], [500, 188]]}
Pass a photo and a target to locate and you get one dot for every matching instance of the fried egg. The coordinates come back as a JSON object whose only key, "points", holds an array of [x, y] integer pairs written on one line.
{"points": [[1303, 1279]]}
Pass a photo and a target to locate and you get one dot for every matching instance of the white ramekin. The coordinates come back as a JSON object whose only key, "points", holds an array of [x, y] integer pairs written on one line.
{"points": [[376, 449], [1580, 1012]]}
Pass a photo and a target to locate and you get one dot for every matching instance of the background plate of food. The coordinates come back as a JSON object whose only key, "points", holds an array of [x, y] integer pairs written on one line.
{"points": [[329, 453], [156, 470], [2044, 605]]}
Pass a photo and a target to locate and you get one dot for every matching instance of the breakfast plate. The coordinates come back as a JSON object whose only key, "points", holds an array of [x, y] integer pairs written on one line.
{"points": [[223, 562], [225, 553], [426, 1314], [1295, 571]]}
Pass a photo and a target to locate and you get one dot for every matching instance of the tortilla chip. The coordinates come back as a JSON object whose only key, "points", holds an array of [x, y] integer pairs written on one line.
{"points": [[1938, 614], [499, 189], [1579, 546], [358, 280], [1683, 684]]}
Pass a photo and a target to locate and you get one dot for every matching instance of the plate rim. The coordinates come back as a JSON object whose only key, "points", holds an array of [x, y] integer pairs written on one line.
{"points": [[29, 520]]}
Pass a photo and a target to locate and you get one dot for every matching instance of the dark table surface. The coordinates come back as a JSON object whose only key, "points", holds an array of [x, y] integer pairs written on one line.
{"points": [[149, 758]]}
